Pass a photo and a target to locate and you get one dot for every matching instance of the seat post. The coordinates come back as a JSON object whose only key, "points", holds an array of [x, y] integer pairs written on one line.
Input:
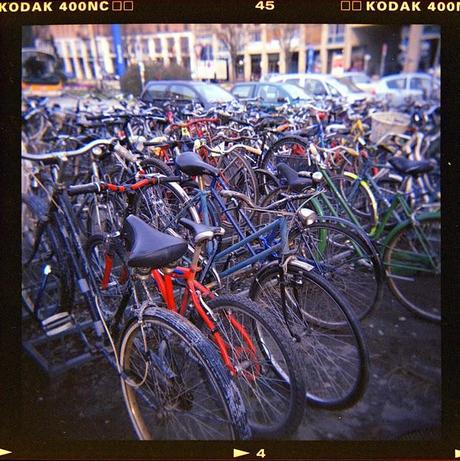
{"points": [[196, 256], [201, 182]]}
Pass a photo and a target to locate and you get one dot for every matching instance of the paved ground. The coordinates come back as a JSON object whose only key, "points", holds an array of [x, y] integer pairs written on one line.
{"points": [[404, 392]]}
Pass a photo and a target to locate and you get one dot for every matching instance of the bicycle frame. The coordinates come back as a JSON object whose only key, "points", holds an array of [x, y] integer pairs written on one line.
{"points": [[164, 282], [277, 228], [61, 210]]}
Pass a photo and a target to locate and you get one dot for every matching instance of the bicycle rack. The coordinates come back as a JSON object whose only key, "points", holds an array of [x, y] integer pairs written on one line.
{"points": [[59, 328]]}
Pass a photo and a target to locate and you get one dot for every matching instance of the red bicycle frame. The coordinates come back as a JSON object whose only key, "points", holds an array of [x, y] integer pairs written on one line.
{"points": [[164, 282], [165, 286]]}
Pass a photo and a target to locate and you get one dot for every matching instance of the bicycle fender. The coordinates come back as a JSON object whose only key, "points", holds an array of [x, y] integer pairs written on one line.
{"points": [[371, 196], [407, 222]]}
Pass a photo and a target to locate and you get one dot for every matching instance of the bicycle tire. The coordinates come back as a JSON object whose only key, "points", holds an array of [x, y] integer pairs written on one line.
{"points": [[414, 298], [59, 291], [354, 268], [155, 165], [304, 162], [341, 350], [272, 385], [198, 351], [238, 174]]}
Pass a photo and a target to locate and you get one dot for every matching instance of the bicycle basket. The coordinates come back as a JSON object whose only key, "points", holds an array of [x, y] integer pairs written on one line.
{"points": [[388, 122], [296, 162]]}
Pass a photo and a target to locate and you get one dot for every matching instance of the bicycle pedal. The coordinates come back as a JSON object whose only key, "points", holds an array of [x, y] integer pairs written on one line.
{"points": [[58, 323]]}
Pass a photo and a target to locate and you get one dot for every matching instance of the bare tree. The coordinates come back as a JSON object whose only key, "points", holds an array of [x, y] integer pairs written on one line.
{"points": [[232, 36], [285, 33]]}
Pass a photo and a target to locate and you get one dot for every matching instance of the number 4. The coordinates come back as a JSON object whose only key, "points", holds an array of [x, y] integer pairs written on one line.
{"points": [[267, 5], [261, 452]]}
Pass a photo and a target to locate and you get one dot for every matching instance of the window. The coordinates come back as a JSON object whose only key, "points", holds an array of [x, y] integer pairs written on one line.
{"points": [[417, 83], [145, 47], [170, 44], [336, 33], [294, 91], [214, 93], [269, 93], [256, 36], [184, 45], [273, 63], [186, 62], [315, 87], [431, 29], [182, 92], [154, 92], [69, 49], [222, 46], [396, 83], [294, 81], [242, 91], [157, 42], [332, 91]]}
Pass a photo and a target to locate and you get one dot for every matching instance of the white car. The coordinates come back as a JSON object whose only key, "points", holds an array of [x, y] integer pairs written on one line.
{"points": [[322, 85], [360, 79], [399, 87]]}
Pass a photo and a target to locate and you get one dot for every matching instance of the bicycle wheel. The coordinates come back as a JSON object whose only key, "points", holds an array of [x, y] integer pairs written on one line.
{"points": [[155, 165], [162, 204], [174, 383], [412, 261], [269, 373], [343, 258], [328, 335], [291, 150], [46, 289], [237, 173], [359, 198], [106, 259]]}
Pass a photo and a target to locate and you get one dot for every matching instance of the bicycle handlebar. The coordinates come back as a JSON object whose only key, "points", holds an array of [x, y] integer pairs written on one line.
{"points": [[99, 187], [69, 153]]}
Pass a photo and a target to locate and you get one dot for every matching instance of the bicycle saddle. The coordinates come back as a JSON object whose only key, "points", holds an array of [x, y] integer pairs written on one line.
{"points": [[411, 167], [149, 247], [192, 165], [294, 181], [201, 231]]}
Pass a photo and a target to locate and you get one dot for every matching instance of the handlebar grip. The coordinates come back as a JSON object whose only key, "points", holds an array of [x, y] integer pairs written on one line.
{"points": [[253, 150], [163, 179], [238, 196], [125, 153], [83, 188], [96, 117]]}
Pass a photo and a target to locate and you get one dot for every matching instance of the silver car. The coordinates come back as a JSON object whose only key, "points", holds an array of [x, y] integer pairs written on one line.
{"points": [[398, 88], [323, 85]]}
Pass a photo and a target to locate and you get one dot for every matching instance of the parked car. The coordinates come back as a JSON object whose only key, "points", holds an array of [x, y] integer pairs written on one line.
{"points": [[322, 85], [398, 87], [185, 91], [359, 79], [271, 94]]}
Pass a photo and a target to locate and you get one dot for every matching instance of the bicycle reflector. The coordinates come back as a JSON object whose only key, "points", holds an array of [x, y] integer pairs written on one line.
{"points": [[306, 216]]}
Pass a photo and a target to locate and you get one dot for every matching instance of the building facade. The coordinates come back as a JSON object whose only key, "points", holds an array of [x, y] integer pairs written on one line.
{"points": [[89, 51]]}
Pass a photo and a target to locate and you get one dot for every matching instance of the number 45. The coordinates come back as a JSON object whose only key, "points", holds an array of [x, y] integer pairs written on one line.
{"points": [[267, 5]]}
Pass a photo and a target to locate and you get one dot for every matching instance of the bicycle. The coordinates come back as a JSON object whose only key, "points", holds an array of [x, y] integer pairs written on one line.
{"points": [[142, 352], [253, 345]]}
